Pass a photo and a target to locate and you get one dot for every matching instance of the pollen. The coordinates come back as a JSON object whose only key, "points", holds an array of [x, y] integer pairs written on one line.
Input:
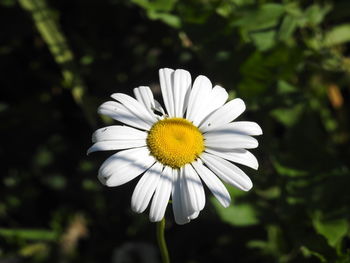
{"points": [[175, 142]]}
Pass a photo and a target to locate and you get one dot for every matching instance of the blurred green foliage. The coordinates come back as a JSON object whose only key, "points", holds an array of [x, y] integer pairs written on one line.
{"points": [[289, 60]]}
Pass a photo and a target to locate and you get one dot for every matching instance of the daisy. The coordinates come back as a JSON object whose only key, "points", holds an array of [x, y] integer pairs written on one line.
{"points": [[194, 141]]}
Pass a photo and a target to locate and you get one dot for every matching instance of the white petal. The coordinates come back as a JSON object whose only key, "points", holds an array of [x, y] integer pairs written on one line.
{"points": [[227, 171], [124, 166], [144, 95], [135, 107], [240, 127], [240, 156], [117, 132], [194, 188], [181, 89], [161, 196], [120, 113], [116, 145], [223, 115], [166, 84], [217, 98], [194, 215], [145, 188], [158, 107], [218, 140], [214, 184], [204, 100], [189, 211], [180, 209], [199, 96], [188, 195]]}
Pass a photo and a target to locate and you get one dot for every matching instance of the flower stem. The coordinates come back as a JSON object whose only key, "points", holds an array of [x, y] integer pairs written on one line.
{"points": [[50, 31], [161, 241]]}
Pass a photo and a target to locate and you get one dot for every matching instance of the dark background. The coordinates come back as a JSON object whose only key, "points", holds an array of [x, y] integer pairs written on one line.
{"points": [[288, 60]]}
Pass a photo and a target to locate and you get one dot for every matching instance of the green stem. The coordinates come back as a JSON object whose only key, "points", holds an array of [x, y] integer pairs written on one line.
{"points": [[57, 43], [161, 241]]}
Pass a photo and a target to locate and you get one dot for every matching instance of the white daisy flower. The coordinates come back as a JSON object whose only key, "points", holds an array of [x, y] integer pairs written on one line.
{"points": [[194, 141]]}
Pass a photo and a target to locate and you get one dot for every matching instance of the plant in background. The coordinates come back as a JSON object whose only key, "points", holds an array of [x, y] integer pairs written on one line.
{"points": [[287, 59]]}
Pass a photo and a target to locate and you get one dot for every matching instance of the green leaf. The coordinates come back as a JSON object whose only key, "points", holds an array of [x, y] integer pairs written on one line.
{"points": [[293, 8], [288, 116], [265, 17], [338, 35], [29, 234], [169, 19], [261, 70], [224, 9], [156, 5], [308, 253], [269, 193], [159, 10], [283, 87], [264, 40], [242, 2], [288, 26], [36, 249], [287, 171], [333, 230], [251, 87], [236, 214], [87, 60], [315, 13]]}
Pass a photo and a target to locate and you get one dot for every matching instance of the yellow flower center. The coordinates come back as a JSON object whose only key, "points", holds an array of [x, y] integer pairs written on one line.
{"points": [[175, 142]]}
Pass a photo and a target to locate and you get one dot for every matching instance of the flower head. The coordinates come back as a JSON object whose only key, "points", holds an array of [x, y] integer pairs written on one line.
{"points": [[195, 140]]}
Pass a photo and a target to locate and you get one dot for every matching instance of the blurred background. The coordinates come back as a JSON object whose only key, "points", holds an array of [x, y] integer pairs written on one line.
{"points": [[288, 60]]}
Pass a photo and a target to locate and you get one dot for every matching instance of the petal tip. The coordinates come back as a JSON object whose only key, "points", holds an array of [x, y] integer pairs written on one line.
{"points": [[154, 219], [110, 183], [240, 101], [227, 204], [259, 131], [136, 209], [203, 78], [102, 180], [182, 71], [89, 151], [248, 187], [161, 70]]}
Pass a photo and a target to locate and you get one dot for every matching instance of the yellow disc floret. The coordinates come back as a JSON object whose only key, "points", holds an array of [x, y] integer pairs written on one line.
{"points": [[175, 142]]}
